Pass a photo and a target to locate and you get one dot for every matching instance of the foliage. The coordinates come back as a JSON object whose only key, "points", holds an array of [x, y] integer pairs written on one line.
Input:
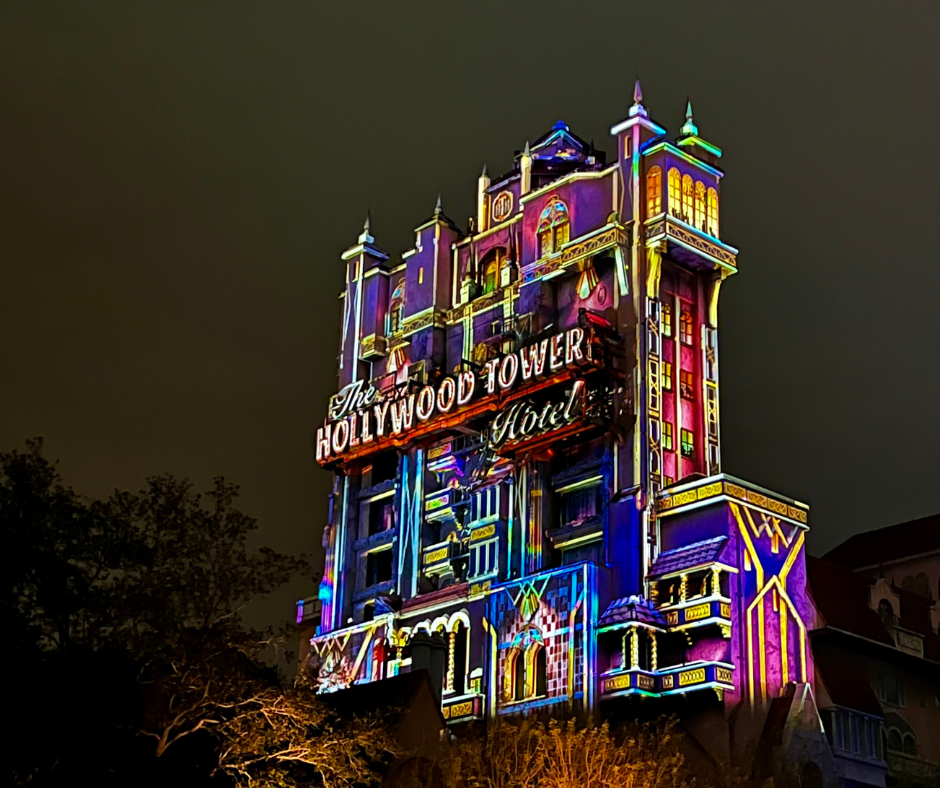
{"points": [[292, 738], [125, 616], [564, 755]]}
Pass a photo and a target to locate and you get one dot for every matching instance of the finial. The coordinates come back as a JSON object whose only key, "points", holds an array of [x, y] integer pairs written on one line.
{"points": [[689, 129], [438, 208], [527, 152], [637, 93], [483, 174], [366, 236]]}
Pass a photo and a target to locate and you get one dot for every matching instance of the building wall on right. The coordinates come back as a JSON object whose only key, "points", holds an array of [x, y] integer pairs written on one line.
{"points": [[877, 654]]}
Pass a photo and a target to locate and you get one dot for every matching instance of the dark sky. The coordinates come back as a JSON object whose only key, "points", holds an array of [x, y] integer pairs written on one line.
{"points": [[178, 181]]}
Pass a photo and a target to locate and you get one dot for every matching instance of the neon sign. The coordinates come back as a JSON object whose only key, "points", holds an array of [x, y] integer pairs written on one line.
{"points": [[359, 415]]}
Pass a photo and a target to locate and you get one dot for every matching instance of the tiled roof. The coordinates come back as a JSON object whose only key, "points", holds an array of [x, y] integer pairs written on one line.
{"points": [[631, 608], [690, 555], [888, 544], [841, 596]]}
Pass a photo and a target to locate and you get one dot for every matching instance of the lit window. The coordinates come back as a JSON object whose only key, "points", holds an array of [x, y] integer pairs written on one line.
{"points": [[699, 206], [527, 671], [675, 192], [492, 264], [686, 385], [685, 327], [397, 307], [667, 376], [553, 228], [654, 192], [688, 191], [667, 320], [688, 443], [667, 436], [712, 225]]}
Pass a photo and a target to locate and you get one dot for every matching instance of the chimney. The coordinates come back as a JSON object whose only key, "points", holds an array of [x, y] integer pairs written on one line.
{"points": [[429, 652]]}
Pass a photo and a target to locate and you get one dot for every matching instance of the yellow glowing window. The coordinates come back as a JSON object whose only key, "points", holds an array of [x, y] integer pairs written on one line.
{"points": [[667, 320], [675, 192], [667, 436], [553, 228], [699, 221], [688, 443], [561, 235], [654, 192], [685, 327], [686, 386], [711, 226], [667, 376], [421, 275], [688, 190]]}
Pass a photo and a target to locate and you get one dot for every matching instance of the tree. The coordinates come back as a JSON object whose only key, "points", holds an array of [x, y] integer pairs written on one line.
{"points": [[124, 620], [292, 738]]}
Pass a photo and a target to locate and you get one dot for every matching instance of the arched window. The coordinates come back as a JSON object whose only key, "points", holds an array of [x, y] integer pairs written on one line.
{"points": [[894, 740], [516, 670], [554, 227], [654, 192], [536, 670], [685, 327], [699, 219], [675, 192], [688, 192], [886, 612], [667, 320], [711, 226], [526, 673], [457, 659], [909, 744]]}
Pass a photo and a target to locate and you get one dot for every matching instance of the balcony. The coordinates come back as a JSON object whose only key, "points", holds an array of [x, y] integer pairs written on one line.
{"points": [[699, 612], [689, 245], [438, 558], [439, 506], [373, 347], [464, 708], [667, 681]]}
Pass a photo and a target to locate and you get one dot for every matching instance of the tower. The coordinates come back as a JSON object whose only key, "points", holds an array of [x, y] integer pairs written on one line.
{"points": [[526, 450]]}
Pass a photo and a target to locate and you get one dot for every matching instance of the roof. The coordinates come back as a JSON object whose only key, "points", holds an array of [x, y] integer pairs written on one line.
{"points": [[847, 688], [629, 609], [884, 545], [394, 693], [686, 557], [841, 596]]}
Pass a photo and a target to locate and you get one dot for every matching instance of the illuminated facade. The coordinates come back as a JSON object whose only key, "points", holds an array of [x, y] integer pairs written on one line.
{"points": [[527, 456]]}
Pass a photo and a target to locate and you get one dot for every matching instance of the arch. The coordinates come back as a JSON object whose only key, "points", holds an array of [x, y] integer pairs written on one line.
{"points": [[688, 198], [654, 192], [675, 192], [458, 652], [886, 613], [536, 671], [711, 225], [811, 776], [440, 624], [699, 218], [909, 744], [895, 743], [554, 227], [458, 617]]}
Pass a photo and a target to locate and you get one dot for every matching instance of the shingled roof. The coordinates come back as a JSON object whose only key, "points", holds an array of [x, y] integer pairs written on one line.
{"points": [[631, 608], [686, 557]]}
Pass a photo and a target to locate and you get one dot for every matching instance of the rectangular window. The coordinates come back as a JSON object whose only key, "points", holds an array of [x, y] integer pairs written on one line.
{"points": [[381, 515], [688, 443], [686, 385], [667, 320], [667, 376], [378, 567], [667, 436], [578, 506], [483, 558], [561, 235], [685, 327]]}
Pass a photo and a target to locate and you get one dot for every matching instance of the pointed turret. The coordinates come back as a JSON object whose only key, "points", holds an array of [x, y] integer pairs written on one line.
{"points": [[525, 169], [638, 108], [366, 235], [483, 203], [690, 141]]}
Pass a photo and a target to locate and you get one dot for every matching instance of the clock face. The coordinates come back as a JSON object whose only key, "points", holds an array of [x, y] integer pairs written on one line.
{"points": [[502, 206]]}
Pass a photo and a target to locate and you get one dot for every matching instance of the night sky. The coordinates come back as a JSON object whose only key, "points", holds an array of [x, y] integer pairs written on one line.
{"points": [[178, 181]]}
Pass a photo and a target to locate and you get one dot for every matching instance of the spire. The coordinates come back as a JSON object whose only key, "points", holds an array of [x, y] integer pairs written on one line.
{"points": [[689, 129], [483, 174], [527, 152], [438, 208], [638, 108], [366, 236]]}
